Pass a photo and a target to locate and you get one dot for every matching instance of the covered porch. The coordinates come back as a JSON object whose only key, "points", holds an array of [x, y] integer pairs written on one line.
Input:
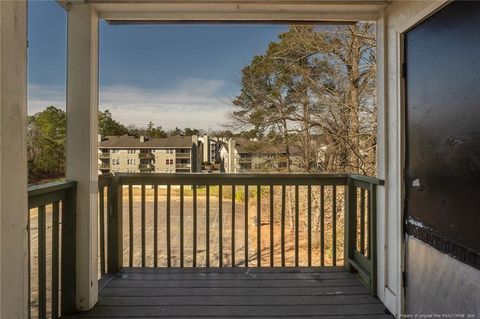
{"points": [[214, 244], [90, 269]]}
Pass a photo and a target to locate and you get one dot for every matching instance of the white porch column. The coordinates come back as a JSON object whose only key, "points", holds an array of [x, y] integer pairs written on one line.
{"points": [[13, 160], [81, 166]]}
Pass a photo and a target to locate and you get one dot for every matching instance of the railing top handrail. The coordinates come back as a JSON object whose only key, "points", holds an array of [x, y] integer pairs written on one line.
{"points": [[237, 178], [367, 179], [370, 179], [40, 189], [230, 179]]}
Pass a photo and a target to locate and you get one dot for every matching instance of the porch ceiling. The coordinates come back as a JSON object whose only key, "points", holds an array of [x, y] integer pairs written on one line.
{"points": [[223, 11]]}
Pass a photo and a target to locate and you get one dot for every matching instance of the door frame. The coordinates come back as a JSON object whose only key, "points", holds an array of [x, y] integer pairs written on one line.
{"points": [[401, 107]]}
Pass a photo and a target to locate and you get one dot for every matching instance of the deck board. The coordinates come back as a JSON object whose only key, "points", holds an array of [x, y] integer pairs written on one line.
{"points": [[328, 292]]}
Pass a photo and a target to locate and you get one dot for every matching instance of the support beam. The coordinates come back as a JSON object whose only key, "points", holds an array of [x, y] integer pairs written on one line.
{"points": [[13, 160], [302, 11], [82, 128]]}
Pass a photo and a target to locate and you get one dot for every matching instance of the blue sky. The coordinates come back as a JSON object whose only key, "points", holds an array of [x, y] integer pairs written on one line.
{"points": [[173, 75]]}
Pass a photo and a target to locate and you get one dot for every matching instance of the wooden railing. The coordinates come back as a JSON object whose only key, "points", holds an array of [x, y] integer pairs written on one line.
{"points": [[182, 155], [238, 220], [51, 249], [361, 224]]}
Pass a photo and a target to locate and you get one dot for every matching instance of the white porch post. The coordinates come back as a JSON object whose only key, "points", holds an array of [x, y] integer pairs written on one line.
{"points": [[13, 160], [81, 166]]}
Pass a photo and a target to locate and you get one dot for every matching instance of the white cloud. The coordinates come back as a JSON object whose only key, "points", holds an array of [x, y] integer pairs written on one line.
{"points": [[197, 103], [41, 96]]}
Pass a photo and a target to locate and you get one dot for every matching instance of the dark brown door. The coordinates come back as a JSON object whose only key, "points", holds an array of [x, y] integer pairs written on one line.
{"points": [[442, 77]]}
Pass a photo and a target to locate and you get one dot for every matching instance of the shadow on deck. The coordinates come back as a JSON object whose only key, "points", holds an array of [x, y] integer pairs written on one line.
{"points": [[327, 292]]}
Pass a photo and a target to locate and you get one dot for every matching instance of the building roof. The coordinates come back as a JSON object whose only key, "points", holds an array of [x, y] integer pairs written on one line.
{"points": [[244, 146], [128, 141]]}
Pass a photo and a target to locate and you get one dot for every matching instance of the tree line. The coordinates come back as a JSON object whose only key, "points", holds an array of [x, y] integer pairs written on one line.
{"points": [[46, 138]]}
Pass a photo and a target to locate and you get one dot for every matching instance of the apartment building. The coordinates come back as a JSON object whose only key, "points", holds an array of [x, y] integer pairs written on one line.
{"points": [[210, 148], [130, 154], [243, 155]]}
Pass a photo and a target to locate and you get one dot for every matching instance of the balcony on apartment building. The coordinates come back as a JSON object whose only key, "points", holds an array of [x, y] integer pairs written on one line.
{"points": [[104, 155], [245, 159], [182, 154], [104, 166], [146, 167], [183, 166], [214, 244], [146, 155]]}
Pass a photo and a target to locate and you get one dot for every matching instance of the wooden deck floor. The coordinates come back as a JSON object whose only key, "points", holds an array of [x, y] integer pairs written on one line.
{"points": [[328, 292]]}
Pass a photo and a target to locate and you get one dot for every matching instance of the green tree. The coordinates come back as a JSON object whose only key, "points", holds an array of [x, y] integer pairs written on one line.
{"points": [[46, 143], [175, 132], [315, 85], [107, 126], [190, 132], [155, 132]]}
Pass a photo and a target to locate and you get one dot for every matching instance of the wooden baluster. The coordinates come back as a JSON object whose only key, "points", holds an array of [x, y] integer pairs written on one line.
{"points": [[282, 226], [130, 225], [334, 225], [259, 226], [143, 224], [362, 221], [207, 225], [246, 225], [101, 230], [169, 243], [271, 227], [296, 224], [155, 226], [309, 224], [233, 226], [42, 264], [322, 225], [182, 257], [194, 244], [220, 226], [55, 257]]}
